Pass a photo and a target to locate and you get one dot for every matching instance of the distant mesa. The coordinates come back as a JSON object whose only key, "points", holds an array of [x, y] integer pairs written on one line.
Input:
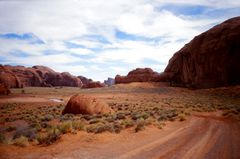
{"points": [[89, 83], [85, 104], [109, 81], [211, 59], [94, 84], [138, 75], [36, 76]]}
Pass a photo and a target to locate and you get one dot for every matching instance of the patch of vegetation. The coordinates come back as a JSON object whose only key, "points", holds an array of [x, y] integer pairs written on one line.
{"points": [[21, 141], [2, 138], [182, 117], [52, 135], [65, 127], [140, 125], [78, 125], [98, 128], [48, 117], [127, 123], [28, 133]]}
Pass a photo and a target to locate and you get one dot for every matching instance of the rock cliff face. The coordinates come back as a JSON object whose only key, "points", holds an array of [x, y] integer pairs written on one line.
{"points": [[8, 78], [211, 59], [138, 75], [89, 83], [39, 76], [85, 81]]}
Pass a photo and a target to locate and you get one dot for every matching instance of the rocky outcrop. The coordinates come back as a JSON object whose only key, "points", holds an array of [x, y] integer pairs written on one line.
{"points": [[89, 83], [26, 76], [39, 76], [94, 84], [138, 75], [209, 60], [85, 104], [8, 78], [109, 81], [4, 90], [85, 80]]}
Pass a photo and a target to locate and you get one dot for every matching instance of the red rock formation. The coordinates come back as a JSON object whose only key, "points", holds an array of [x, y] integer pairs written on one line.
{"points": [[89, 83], [8, 78], [94, 85], [85, 104], [4, 89], [138, 75], [85, 81], [27, 76], [20, 76], [210, 59]]}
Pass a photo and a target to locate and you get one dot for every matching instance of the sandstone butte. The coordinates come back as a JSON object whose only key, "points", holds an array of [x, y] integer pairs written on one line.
{"points": [[36, 76], [211, 59], [138, 75]]}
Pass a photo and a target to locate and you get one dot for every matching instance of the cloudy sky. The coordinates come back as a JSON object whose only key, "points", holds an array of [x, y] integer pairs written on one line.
{"points": [[100, 38]]}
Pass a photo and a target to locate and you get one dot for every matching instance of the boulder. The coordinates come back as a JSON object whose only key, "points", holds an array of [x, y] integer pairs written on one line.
{"points": [[85, 104], [211, 59], [138, 75], [4, 89]]}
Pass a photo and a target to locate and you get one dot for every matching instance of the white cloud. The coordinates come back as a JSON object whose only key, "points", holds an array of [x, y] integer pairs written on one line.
{"points": [[208, 3], [134, 52], [84, 23]]}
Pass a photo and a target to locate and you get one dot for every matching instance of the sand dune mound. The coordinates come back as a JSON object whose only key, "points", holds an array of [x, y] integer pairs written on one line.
{"points": [[85, 104]]}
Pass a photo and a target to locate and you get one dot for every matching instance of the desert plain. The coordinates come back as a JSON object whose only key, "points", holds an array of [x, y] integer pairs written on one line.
{"points": [[150, 120]]}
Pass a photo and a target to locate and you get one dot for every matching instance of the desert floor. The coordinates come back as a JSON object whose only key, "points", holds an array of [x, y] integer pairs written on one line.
{"points": [[199, 123]]}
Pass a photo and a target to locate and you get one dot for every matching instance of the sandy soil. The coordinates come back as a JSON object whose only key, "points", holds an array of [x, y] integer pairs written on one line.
{"points": [[202, 135], [205, 135]]}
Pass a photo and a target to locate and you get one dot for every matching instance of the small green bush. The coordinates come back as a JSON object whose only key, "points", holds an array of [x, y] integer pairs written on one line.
{"points": [[22, 141], [36, 126], [78, 125], [2, 138], [48, 117], [140, 125], [65, 127], [111, 118], [52, 135], [29, 133], [94, 121], [160, 125], [182, 117], [120, 115], [116, 127], [97, 128], [127, 123]]}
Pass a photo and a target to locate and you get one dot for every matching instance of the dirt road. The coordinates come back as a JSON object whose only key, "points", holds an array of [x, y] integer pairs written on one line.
{"points": [[201, 136]]}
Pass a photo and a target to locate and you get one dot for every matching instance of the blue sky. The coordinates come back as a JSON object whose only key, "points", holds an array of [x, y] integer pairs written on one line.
{"points": [[100, 39]]}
